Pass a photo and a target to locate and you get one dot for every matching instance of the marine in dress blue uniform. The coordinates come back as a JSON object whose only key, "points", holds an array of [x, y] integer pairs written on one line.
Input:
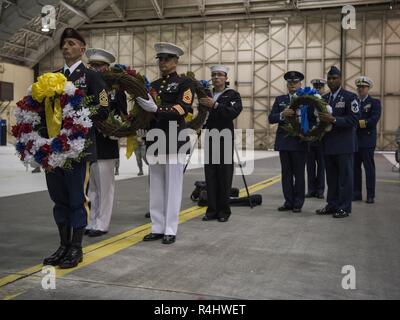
{"points": [[339, 146], [68, 188], [166, 177], [315, 157], [370, 109], [292, 151]]}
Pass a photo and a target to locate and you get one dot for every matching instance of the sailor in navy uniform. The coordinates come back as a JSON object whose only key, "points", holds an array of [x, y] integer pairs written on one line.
{"points": [[366, 137], [68, 188], [102, 178], [225, 106], [166, 162], [339, 146], [292, 151], [315, 157]]}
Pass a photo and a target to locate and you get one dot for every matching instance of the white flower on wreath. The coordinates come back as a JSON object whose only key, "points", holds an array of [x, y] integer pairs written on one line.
{"points": [[57, 159], [68, 111], [24, 116], [69, 88]]}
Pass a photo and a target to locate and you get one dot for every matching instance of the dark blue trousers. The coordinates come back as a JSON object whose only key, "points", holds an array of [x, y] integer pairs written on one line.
{"points": [[68, 190], [364, 157], [316, 170], [339, 178], [293, 177]]}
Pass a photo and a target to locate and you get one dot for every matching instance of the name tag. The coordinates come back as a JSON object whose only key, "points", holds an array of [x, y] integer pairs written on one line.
{"points": [[367, 107], [340, 104]]}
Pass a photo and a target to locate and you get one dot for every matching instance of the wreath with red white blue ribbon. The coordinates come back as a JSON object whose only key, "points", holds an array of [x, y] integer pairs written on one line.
{"points": [[71, 140]]}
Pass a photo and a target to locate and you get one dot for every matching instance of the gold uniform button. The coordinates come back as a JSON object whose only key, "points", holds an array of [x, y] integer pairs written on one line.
{"points": [[162, 87]]}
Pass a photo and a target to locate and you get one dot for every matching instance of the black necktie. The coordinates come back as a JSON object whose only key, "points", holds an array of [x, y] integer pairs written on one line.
{"points": [[330, 99], [67, 73]]}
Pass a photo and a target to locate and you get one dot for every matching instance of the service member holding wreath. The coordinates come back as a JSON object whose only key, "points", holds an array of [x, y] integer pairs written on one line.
{"points": [[68, 188]]}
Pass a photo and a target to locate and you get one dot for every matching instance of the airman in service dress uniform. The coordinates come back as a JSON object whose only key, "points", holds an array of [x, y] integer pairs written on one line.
{"points": [[292, 151], [339, 146]]}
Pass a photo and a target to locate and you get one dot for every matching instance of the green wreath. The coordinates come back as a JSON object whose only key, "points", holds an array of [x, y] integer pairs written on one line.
{"points": [[136, 85], [293, 126]]}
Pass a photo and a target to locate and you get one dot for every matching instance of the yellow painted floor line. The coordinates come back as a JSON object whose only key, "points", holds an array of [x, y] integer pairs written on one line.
{"points": [[388, 181], [10, 297], [107, 247]]}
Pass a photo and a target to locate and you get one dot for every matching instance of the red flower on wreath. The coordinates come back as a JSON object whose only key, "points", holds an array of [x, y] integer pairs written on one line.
{"points": [[29, 145], [68, 123], [78, 128], [64, 100], [19, 129], [131, 72], [64, 142], [46, 148], [79, 92]]}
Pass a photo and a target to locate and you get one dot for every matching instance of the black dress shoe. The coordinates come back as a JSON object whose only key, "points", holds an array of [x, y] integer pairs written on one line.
{"points": [[320, 196], [97, 233], [284, 208], [325, 211], [147, 215], [56, 257], [223, 219], [296, 210], [370, 200], [72, 258], [207, 218], [168, 239], [153, 237], [310, 194], [87, 231], [340, 214]]}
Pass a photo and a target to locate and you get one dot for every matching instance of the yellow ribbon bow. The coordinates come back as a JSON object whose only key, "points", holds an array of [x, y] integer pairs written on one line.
{"points": [[49, 87], [131, 145]]}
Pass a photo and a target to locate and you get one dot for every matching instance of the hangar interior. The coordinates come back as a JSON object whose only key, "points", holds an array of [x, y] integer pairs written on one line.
{"points": [[260, 253]]}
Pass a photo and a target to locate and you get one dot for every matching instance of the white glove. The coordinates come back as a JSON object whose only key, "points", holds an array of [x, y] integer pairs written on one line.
{"points": [[147, 105], [141, 133]]}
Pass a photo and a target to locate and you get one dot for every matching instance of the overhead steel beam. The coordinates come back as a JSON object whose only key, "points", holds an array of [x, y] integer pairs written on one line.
{"points": [[19, 46], [158, 9], [117, 11], [216, 18], [311, 4], [35, 33], [74, 10], [202, 7], [246, 4], [76, 21], [14, 57]]}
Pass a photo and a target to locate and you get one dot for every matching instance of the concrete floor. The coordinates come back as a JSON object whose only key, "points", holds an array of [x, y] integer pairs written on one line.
{"points": [[258, 254]]}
